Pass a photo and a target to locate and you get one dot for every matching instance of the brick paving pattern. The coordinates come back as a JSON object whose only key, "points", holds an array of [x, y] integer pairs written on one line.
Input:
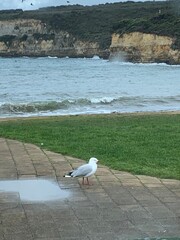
{"points": [[118, 206]]}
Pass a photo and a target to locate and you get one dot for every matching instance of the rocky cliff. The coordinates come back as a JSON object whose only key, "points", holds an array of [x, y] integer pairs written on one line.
{"points": [[34, 38], [30, 37], [142, 47]]}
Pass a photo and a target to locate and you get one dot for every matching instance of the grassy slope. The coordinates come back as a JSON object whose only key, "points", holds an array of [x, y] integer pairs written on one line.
{"points": [[147, 144]]}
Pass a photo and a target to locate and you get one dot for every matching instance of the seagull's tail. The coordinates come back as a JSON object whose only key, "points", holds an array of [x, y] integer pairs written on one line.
{"points": [[69, 174]]}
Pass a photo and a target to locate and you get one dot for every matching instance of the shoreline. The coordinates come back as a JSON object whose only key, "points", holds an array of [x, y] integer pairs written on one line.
{"points": [[173, 112]]}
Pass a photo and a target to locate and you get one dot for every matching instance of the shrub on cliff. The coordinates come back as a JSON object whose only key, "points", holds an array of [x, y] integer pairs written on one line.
{"points": [[162, 24], [7, 39], [39, 36], [97, 23]]}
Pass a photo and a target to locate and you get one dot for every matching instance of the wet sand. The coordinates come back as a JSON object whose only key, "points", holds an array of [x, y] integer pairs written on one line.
{"points": [[114, 113]]}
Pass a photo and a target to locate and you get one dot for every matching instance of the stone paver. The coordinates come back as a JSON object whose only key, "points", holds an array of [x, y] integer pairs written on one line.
{"points": [[118, 205]]}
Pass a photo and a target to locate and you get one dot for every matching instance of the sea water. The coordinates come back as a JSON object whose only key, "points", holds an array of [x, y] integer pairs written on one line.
{"points": [[63, 86]]}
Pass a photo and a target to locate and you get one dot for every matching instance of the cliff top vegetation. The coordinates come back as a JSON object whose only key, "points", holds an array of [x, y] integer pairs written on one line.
{"points": [[97, 23]]}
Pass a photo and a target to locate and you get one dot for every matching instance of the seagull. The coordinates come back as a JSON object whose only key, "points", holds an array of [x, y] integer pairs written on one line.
{"points": [[85, 170]]}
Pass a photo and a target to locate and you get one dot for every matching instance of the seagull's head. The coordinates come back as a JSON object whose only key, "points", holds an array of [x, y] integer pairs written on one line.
{"points": [[93, 160]]}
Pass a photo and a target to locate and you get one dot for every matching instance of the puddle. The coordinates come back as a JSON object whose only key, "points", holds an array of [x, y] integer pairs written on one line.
{"points": [[38, 190]]}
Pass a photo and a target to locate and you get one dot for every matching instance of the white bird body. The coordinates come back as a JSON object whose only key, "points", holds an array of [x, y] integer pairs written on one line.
{"points": [[85, 170]]}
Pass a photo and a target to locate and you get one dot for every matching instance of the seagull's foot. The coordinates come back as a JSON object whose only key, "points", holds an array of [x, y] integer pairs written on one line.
{"points": [[87, 182]]}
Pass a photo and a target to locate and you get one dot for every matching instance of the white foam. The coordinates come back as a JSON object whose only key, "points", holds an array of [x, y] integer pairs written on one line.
{"points": [[102, 100]]}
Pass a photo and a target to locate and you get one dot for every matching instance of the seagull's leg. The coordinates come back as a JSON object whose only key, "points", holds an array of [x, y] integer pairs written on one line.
{"points": [[83, 181], [88, 181]]}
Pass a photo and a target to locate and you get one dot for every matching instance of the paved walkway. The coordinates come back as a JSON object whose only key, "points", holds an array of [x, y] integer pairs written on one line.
{"points": [[119, 205]]}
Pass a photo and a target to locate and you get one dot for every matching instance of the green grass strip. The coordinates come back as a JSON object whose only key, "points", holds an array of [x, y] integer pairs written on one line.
{"points": [[146, 144]]}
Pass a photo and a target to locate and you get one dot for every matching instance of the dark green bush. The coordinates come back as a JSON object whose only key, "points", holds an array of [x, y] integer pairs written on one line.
{"points": [[39, 36], [97, 23], [7, 39], [24, 38]]}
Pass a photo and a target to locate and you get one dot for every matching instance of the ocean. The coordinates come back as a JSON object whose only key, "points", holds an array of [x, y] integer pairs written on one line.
{"points": [[50, 86]]}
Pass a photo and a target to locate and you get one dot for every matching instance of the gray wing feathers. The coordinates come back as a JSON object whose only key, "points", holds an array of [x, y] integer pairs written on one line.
{"points": [[82, 170]]}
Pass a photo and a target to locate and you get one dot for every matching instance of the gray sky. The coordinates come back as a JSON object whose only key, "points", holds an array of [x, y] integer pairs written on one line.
{"points": [[35, 4]]}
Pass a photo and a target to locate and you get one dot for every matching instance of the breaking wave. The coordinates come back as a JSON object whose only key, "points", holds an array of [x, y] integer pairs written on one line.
{"points": [[84, 105]]}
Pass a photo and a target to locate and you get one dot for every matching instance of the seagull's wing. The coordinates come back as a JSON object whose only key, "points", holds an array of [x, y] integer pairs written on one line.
{"points": [[82, 171]]}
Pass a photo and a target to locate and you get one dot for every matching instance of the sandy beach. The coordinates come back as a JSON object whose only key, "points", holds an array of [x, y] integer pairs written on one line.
{"points": [[121, 114]]}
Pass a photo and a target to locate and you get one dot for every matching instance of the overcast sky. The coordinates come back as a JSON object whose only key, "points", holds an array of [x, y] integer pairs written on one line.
{"points": [[35, 4]]}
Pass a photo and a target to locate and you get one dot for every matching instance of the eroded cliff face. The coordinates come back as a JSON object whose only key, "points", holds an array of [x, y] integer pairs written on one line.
{"points": [[142, 47], [30, 37], [34, 38]]}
